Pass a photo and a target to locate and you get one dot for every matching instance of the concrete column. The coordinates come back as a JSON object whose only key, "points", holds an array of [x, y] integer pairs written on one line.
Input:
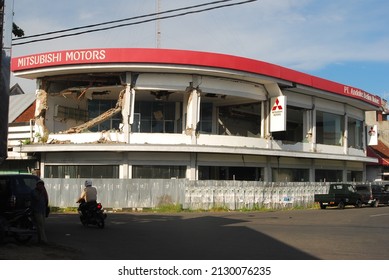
{"points": [[263, 119], [312, 171], [191, 172], [41, 165], [41, 107], [313, 143], [308, 126], [123, 170], [338, 127], [345, 135], [129, 104], [126, 113], [267, 176], [364, 138], [344, 172], [192, 113]]}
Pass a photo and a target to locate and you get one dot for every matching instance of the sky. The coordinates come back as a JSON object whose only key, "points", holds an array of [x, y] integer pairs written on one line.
{"points": [[346, 41]]}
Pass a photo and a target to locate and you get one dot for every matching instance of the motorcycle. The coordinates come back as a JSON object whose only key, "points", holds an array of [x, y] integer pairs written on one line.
{"points": [[17, 224], [92, 214]]}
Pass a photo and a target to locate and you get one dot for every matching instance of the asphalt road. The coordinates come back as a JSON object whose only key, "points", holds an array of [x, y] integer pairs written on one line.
{"points": [[331, 234]]}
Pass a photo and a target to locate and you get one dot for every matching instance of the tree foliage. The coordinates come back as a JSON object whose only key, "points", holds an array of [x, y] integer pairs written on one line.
{"points": [[17, 31]]}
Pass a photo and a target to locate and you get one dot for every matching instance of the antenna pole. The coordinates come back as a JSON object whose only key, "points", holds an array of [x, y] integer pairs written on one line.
{"points": [[158, 24]]}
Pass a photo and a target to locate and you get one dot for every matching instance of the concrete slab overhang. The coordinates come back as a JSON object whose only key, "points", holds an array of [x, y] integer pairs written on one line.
{"points": [[117, 147]]}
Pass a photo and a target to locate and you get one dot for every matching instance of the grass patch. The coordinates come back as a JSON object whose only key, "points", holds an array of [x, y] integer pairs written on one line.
{"points": [[54, 209], [166, 207], [221, 208], [169, 208]]}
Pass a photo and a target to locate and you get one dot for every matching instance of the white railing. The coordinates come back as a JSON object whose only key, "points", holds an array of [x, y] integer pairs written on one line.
{"points": [[18, 135]]}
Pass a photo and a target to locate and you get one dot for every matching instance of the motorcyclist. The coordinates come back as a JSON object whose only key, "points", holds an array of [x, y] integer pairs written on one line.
{"points": [[88, 197]]}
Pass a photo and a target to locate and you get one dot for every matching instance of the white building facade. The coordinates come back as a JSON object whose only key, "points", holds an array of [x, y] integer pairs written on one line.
{"points": [[158, 113]]}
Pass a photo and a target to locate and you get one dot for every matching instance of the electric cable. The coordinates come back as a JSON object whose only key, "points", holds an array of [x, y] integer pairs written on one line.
{"points": [[119, 20], [127, 24]]}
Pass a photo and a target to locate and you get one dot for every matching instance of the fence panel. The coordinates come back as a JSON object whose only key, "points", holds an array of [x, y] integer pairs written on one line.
{"points": [[151, 193]]}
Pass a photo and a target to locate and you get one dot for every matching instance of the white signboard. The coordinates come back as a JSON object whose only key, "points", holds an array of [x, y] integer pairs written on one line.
{"points": [[372, 135], [278, 114]]}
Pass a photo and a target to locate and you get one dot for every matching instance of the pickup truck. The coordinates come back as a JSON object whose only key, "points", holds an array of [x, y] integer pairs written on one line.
{"points": [[373, 194], [340, 195]]}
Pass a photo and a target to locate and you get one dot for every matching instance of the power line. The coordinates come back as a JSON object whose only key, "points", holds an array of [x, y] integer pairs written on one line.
{"points": [[120, 20], [127, 19]]}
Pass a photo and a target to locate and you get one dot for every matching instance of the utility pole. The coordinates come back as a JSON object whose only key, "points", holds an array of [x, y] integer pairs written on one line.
{"points": [[158, 24], [6, 20]]}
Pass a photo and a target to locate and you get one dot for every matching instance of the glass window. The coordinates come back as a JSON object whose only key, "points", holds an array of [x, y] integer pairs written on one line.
{"points": [[158, 171], [205, 125], [329, 128], [240, 120], [327, 175], [230, 173], [290, 175], [355, 133], [294, 126], [354, 176], [96, 108], [17, 166], [157, 117], [82, 171]]}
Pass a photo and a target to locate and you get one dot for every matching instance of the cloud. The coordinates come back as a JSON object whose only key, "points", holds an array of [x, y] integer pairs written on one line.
{"points": [[305, 35], [283, 30]]}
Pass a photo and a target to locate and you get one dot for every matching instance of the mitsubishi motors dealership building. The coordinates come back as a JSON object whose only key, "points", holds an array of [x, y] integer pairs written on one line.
{"points": [[160, 113]]}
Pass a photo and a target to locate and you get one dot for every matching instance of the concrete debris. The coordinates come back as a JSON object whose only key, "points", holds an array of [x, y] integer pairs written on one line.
{"points": [[99, 119], [40, 112]]}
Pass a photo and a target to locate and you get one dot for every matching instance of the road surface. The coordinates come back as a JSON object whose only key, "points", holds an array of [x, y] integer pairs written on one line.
{"points": [[331, 234]]}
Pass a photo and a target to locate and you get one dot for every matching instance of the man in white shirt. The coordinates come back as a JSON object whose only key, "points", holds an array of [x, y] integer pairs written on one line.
{"points": [[88, 196]]}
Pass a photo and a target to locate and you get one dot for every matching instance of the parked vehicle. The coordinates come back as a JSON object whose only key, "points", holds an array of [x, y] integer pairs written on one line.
{"points": [[15, 201], [373, 194], [15, 191], [17, 224], [92, 214], [340, 195]]}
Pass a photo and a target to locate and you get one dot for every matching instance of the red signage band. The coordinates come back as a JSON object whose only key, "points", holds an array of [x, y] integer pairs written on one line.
{"points": [[184, 57]]}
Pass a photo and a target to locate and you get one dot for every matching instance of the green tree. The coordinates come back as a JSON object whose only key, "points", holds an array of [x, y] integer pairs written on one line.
{"points": [[17, 31]]}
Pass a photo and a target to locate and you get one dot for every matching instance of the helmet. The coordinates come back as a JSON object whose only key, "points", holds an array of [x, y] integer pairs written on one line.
{"points": [[88, 183]]}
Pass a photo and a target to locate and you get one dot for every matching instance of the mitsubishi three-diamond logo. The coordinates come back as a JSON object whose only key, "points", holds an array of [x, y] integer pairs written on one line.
{"points": [[278, 113], [276, 106]]}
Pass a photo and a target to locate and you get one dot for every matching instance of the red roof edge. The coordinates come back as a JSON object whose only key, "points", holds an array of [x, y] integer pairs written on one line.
{"points": [[381, 152]]}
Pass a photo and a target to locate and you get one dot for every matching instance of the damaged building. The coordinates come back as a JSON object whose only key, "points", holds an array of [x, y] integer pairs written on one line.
{"points": [[155, 113]]}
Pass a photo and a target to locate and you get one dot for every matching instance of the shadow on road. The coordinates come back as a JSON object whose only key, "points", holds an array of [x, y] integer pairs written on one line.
{"points": [[169, 237]]}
